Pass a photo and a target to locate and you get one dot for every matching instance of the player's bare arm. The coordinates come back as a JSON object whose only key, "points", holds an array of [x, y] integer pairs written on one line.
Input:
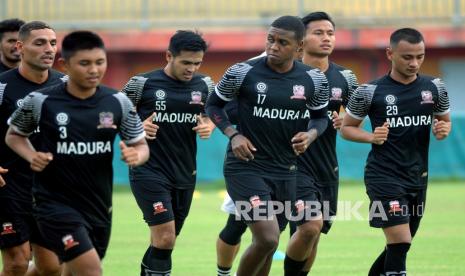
{"points": [[302, 140], [337, 120], [441, 126], [150, 127], [351, 130], [135, 154], [204, 127], [2, 181], [23, 147]]}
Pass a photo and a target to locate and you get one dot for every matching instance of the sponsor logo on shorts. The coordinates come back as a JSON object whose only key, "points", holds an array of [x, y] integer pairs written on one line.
{"points": [[299, 92], [158, 208], [394, 206], [69, 242], [300, 206], [255, 201], [8, 229]]}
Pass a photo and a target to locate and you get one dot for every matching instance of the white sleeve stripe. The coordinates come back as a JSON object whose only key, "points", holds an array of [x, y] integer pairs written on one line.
{"points": [[16, 129], [135, 140], [353, 115], [221, 96], [318, 107], [442, 113]]}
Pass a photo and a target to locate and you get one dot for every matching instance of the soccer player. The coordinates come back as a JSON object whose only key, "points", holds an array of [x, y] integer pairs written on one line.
{"points": [[261, 161], [403, 107], [171, 101], [9, 54], [78, 122], [318, 174], [228, 242], [37, 48]]}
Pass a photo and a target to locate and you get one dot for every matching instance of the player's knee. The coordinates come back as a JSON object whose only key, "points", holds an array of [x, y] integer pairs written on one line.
{"points": [[232, 232], [16, 266], [267, 242], [88, 270], [48, 269], [166, 240], [310, 230]]}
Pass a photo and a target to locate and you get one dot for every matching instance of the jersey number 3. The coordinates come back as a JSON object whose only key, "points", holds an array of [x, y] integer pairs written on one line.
{"points": [[63, 132]]}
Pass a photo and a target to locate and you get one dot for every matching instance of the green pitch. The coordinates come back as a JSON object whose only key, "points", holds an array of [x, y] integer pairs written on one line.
{"points": [[349, 249]]}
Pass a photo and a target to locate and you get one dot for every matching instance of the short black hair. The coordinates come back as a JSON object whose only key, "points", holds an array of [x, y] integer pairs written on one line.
{"points": [[184, 40], [26, 29], [80, 40], [317, 16], [10, 25], [408, 34], [290, 23]]}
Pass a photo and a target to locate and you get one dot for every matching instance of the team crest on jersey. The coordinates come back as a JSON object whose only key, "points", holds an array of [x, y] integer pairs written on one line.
{"points": [[299, 92], [69, 242], [427, 97], [261, 87], [62, 119], [106, 120], [19, 103], [158, 208], [394, 206], [8, 229], [160, 95], [390, 99], [255, 201], [336, 94], [196, 98]]}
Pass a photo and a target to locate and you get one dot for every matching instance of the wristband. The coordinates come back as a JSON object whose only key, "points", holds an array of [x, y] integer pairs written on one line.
{"points": [[234, 135]]}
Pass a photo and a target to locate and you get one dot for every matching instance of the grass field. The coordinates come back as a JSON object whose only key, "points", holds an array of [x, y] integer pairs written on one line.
{"points": [[349, 249]]}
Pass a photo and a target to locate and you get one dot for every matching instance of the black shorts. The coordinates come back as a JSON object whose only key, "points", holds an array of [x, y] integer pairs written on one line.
{"points": [[316, 199], [386, 211], [17, 227], [162, 202], [257, 197], [329, 196], [68, 233]]}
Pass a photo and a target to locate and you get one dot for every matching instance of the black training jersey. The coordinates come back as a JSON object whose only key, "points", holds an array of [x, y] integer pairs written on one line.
{"points": [[269, 104], [3, 67], [80, 135], [176, 104], [320, 160], [13, 88], [402, 161]]}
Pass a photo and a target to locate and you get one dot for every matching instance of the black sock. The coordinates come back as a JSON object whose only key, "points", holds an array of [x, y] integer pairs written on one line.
{"points": [[377, 268], [304, 273], [224, 271], [156, 262], [292, 267], [396, 255]]}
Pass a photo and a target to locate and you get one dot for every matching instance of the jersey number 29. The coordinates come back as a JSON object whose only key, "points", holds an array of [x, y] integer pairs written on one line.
{"points": [[391, 110]]}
